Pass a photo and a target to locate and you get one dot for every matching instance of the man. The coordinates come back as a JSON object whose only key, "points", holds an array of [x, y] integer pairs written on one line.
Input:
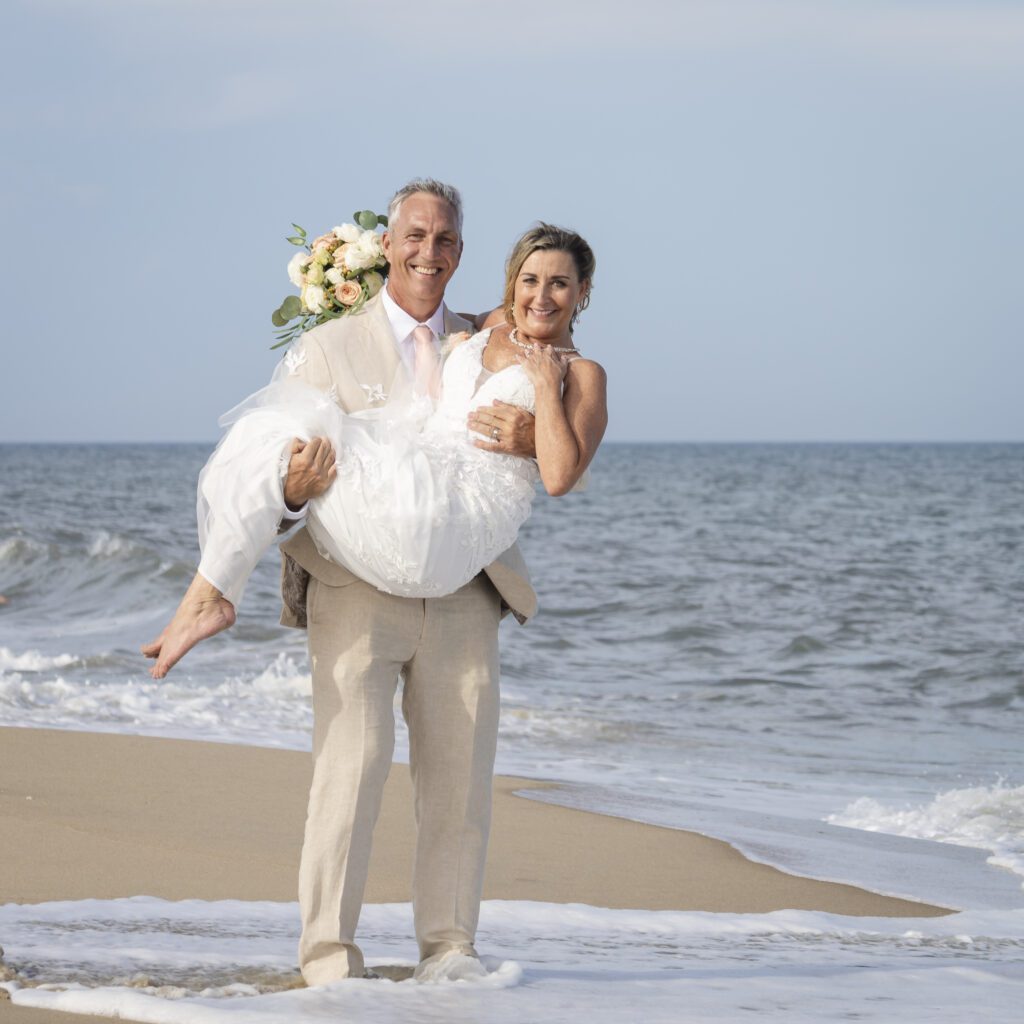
{"points": [[362, 640]]}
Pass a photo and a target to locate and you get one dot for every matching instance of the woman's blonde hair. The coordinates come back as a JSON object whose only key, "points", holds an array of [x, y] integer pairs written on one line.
{"points": [[547, 237]]}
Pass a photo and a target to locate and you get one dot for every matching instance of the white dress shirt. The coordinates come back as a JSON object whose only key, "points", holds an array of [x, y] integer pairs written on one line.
{"points": [[402, 326]]}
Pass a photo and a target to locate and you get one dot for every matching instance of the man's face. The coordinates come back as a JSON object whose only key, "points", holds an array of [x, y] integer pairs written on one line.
{"points": [[423, 247]]}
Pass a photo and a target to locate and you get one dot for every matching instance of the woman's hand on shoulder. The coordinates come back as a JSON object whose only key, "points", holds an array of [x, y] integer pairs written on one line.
{"points": [[544, 366]]}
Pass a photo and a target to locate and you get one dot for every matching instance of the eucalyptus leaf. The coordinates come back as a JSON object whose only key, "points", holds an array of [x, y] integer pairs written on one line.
{"points": [[277, 319], [297, 240], [366, 219], [382, 220], [291, 307], [299, 230]]}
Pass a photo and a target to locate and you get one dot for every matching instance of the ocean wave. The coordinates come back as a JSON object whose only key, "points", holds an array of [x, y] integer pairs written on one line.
{"points": [[21, 549], [986, 817], [33, 661], [268, 708], [286, 677], [115, 545]]}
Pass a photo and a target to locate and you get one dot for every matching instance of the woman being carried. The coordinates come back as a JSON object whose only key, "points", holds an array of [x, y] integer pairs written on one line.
{"points": [[417, 509]]}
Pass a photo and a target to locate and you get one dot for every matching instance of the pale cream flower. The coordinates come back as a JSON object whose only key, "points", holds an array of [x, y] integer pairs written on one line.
{"points": [[348, 232], [296, 266], [340, 254], [313, 297]]}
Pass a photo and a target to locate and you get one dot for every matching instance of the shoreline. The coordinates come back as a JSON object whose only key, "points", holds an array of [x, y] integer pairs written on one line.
{"points": [[102, 815]]}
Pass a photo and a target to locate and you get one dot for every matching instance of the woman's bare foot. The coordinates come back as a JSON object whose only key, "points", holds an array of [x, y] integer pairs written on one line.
{"points": [[203, 611]]}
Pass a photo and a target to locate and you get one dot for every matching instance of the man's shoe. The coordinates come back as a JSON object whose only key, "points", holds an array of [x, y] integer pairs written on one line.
{"points": [[454, 965]]}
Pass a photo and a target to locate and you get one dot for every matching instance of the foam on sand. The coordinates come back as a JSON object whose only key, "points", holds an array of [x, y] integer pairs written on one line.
{"points": [[196, 962]]}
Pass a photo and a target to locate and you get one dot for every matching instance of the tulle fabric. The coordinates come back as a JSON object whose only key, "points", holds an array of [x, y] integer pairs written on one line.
{"points": [[416, 510]]}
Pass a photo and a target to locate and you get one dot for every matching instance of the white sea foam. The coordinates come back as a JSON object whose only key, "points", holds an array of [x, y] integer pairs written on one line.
{"points": [[32, 661], [987, 817], [269, 709], [112, 545], [17, 547], [284, 677], [205, 963]]}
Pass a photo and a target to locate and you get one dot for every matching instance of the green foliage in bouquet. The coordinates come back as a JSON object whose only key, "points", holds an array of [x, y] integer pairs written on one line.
{"points": [[335, 274]]}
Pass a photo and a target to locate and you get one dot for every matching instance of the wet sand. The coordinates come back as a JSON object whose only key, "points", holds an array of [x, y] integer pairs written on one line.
{"points": [[89, 815]]}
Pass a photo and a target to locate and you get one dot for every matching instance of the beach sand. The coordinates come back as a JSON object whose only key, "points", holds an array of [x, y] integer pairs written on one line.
{"points": [[85, 815]]}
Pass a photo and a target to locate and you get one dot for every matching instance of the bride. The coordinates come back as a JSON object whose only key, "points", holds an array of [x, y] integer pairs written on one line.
{"points": [[416, 505]]}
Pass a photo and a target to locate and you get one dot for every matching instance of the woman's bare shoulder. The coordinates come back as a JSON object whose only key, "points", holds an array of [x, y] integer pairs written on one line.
{"points": [[587, 371]]}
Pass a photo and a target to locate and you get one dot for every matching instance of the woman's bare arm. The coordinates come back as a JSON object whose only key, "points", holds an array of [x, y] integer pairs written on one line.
{"points": [[572, 414]]}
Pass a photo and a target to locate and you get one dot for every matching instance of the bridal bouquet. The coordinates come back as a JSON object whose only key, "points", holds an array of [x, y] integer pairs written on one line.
{"points": [[335, 274]]}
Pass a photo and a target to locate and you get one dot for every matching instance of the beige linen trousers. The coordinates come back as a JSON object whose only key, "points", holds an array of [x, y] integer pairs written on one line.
{"points": [[361, 641]]}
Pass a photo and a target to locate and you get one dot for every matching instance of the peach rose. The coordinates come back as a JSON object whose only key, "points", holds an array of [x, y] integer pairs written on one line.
{"points": [[348, 293], [328, 242]]}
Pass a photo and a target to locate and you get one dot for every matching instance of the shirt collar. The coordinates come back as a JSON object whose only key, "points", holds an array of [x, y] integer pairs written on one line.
{"points": [[402, 324]]}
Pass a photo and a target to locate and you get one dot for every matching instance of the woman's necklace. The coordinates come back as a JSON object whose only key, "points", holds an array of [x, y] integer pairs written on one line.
{"points": [[513, 336]]}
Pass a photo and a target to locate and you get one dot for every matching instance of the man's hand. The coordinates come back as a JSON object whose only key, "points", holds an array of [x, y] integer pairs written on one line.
{"points": [[311, 471], [509, 427]]}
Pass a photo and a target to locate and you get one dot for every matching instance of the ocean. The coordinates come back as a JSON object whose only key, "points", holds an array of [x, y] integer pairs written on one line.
{"points": [[813, 651]]}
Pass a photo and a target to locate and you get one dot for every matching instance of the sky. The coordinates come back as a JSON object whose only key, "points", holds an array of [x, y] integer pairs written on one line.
{"points": [[807, 214]]}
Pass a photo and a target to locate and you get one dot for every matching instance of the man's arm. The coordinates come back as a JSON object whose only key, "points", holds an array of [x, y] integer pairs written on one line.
{"points": [[311, 467]]}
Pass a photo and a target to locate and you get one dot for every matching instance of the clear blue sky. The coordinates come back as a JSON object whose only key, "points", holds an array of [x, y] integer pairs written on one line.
{"points": [[807, 215]]}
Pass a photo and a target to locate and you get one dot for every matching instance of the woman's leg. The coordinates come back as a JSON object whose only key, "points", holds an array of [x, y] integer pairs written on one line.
{"points": [[239, 507], [203, 612]]}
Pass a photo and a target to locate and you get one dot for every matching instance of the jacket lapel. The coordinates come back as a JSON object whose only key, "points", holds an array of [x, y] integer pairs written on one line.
{"points": [[373, 355]]}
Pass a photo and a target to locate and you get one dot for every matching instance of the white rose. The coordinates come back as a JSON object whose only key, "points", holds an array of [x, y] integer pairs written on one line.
{"points": [[356, 258], [348, 232], [295, 267], [334, 275], [313, 297], [370, 243]]}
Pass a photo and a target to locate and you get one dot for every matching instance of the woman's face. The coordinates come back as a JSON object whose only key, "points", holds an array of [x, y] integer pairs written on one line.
{"points": [[546, 293]]}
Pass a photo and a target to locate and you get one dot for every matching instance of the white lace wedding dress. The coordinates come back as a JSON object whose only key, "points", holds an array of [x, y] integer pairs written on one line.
{"points": [[416, 510]]}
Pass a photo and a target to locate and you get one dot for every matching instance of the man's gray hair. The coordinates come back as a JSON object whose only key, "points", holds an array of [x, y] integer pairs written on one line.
{"points": [[449, 193]]}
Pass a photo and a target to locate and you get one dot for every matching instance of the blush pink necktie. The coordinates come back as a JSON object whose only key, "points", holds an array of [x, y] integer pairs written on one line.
{"points": [[427, 377]]}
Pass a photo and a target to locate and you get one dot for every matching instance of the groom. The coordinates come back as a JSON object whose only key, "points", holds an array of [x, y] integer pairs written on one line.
{"points": [[361, 640]]}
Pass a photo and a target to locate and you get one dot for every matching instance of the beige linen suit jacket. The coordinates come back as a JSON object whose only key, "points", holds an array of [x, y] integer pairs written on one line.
{"points": [[357, 357]]}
